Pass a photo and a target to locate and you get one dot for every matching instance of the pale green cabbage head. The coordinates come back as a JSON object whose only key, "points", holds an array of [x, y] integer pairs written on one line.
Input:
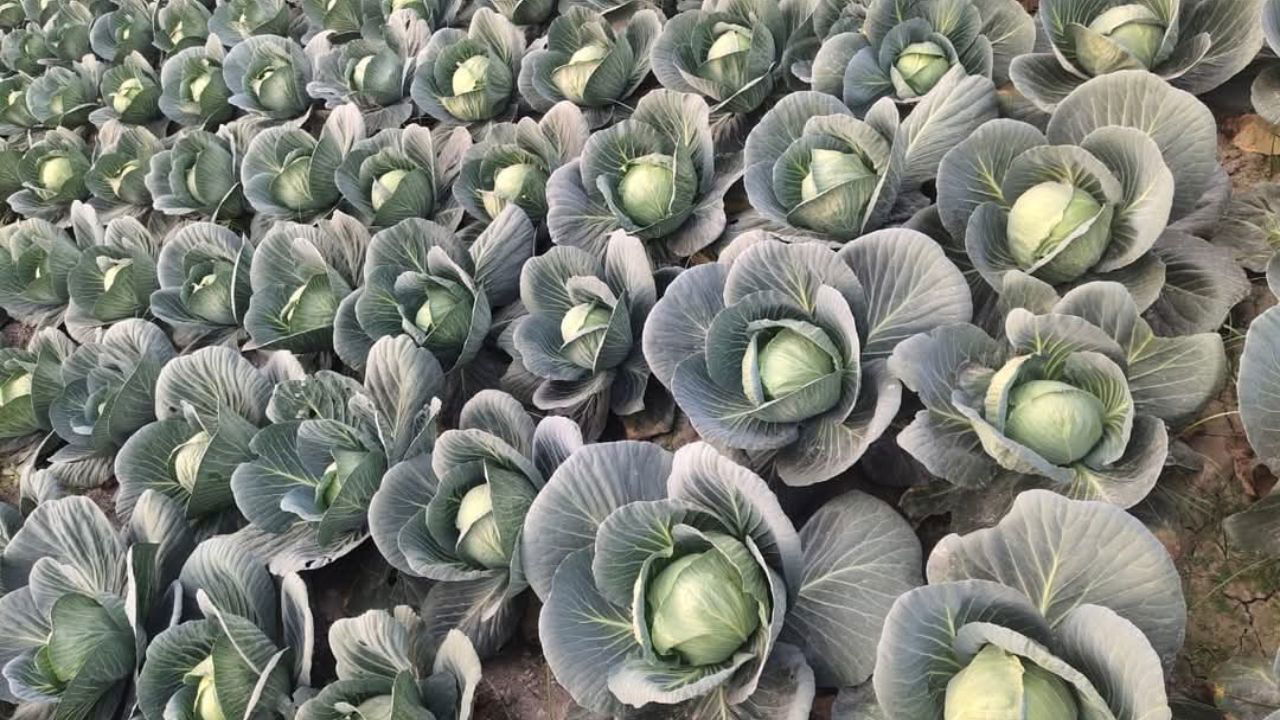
{"points": [[996, 685], [699, 607], [788, 362], [1060, 422], [571, 78], [1053, 213], [207, 705], [509, 184], [922, 65], [186, 461], [18, 386], [470, 74], [1133, 27], [478, 537], [646, 188]]}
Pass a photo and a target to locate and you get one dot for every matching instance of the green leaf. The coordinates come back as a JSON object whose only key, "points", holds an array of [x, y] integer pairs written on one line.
{"points": [[858, 554], [374, 644], [71, 531], [585, 637], [234, 580], [1181, 126], [88, 637], [917, 656], [590, 484], [741, 501], [1111, 560]]}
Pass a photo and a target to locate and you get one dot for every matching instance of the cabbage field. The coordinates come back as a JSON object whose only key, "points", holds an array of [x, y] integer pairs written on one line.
{"points": [[639, 359]]}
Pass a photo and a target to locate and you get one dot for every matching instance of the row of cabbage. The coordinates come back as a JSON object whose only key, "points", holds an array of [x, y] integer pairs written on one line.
{"points": [[303, 277]]}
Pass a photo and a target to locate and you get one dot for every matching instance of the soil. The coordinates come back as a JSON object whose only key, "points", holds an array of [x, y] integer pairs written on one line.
{"points": [[1233, 598]]}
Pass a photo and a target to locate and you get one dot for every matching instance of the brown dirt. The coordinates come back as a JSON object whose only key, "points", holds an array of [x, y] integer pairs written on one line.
{"points": [[518, 685], [1245, 168], [1233, 598]]}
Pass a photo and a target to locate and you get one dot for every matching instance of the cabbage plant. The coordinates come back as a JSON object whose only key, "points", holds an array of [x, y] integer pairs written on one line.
{"points": [[374, 74], [199, 174], [778, 349], [66, 96], [204, 277], [404, 173], [1076, 397], [130, 92], [582, 336], [299, 275], [36, 259], [115, 275], [53, 173], [81, 594], [289, 173], [832, 17], [234, 21], [421, 282], [409, 676], [208, 406], [1195, 46], [30, 379], [66, 25], [1099, 195], [654, 175], [332, 440], [677, 584], [815, 169], [903, 49], [181, 24], [456, 517], [733, 52], [117, 179], [268, 75], [436, 13], [107, 392], [468, 77], [1265, 91], [193, 92], [997, 631], [126, 28], [15, 109], [243, 651], [24, 50], [587, 62], [514, 161]]}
